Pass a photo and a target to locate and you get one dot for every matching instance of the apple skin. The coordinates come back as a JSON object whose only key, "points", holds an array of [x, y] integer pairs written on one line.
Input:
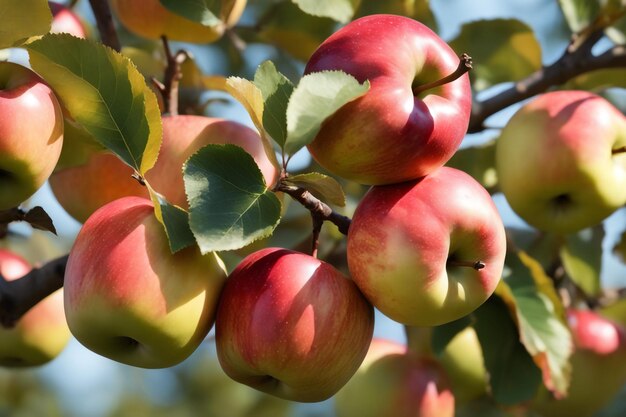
{"points": [[291, 325], [388, 135], [28, 151], [403, 235], [65, 20], [598, 367], [554, 161], [395, 382], [151, 20], [41, 333], [83, 189], [128, 298]]}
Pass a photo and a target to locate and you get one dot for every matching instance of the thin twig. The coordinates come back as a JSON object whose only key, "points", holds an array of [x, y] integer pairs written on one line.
{"points": [[104, 21]]}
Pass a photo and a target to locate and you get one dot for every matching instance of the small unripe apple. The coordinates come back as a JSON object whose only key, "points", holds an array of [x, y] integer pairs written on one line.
{"points": [[556, 164], [41, 333], [428, 251], [128, 298], [395, 382], [390, 134], [151, 20], [31, 133], [291, 325]]}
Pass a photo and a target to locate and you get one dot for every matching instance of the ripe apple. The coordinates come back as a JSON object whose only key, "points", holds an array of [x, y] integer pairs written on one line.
{"points": [[40, 334], [555, 163], [291, 325], [83, 189], [31, 133], [395, 382], [151, 20], [464, 363], [413, 248], [389, 135], [598, 367], [65, 20], [127, 297]]}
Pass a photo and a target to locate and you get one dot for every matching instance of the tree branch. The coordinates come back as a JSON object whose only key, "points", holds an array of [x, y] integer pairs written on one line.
{"points": [[20, 295], [104, 20]]}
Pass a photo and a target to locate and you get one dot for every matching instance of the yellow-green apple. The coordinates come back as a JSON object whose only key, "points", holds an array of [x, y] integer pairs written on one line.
{"points": [[41, 333], [395, 382], [428, 251], [127, 297], [598, 367], [28, 150], [464, 363], [64, 20], [291, 325], [84, 188], [557, 161], [151, 20], [391, 135]]}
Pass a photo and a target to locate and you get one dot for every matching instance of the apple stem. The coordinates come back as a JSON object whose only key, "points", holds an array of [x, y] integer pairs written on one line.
{"points": [[477, 265], [619, 150], [465, 65], [173, 73]]}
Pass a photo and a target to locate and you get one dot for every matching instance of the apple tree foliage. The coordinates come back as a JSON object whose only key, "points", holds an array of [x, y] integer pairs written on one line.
{"points": [[522, 328]]}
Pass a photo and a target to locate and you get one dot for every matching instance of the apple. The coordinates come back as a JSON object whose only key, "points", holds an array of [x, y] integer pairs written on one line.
{"points": [[390, 135], [28, 151], [64, 20], [555, 163], [84, 188], [428, 251], [39, 335], [598, 367], [395, 382], [464, 363], [151, 20], [128, 298], [291, 325]]}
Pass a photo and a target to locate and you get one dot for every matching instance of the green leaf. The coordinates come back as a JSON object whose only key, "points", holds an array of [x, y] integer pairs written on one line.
{"points": [[582, 258], [175, 221], [513, 375], [443, 334], [321, 186], [339, 10], [317, 96], [579, 13], [22, 20], [598, 80], [532, 300], [105, 93], [276, 90], [416, 9], [204, 12], [229, 203], [502, 50], [479, 162]]}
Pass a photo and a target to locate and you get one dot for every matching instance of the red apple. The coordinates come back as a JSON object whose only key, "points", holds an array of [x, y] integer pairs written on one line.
{"points": [[291, 325], [31, 133], [127, 297], [395, 382], [408, 245], [389, 135], [83, 189], [64, 20], [598, 367], [41, 334]]}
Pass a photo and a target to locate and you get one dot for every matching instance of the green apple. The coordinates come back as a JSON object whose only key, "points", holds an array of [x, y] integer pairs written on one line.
{"points": [[41, 333], [291, 325], [598, 367], [428, 251], [151, 20], [555, 161], [391, 134], [127, 297], [395, 382], [31, 133]]}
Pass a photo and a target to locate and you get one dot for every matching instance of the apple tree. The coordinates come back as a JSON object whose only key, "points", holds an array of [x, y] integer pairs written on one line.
{"points": [[468, 189]]}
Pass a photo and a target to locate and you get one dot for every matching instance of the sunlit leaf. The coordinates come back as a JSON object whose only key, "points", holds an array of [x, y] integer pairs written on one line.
{"points": [[205, 12], [582, 259], [23, 19], [325, 188], [416, 9], [339, 10]]}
